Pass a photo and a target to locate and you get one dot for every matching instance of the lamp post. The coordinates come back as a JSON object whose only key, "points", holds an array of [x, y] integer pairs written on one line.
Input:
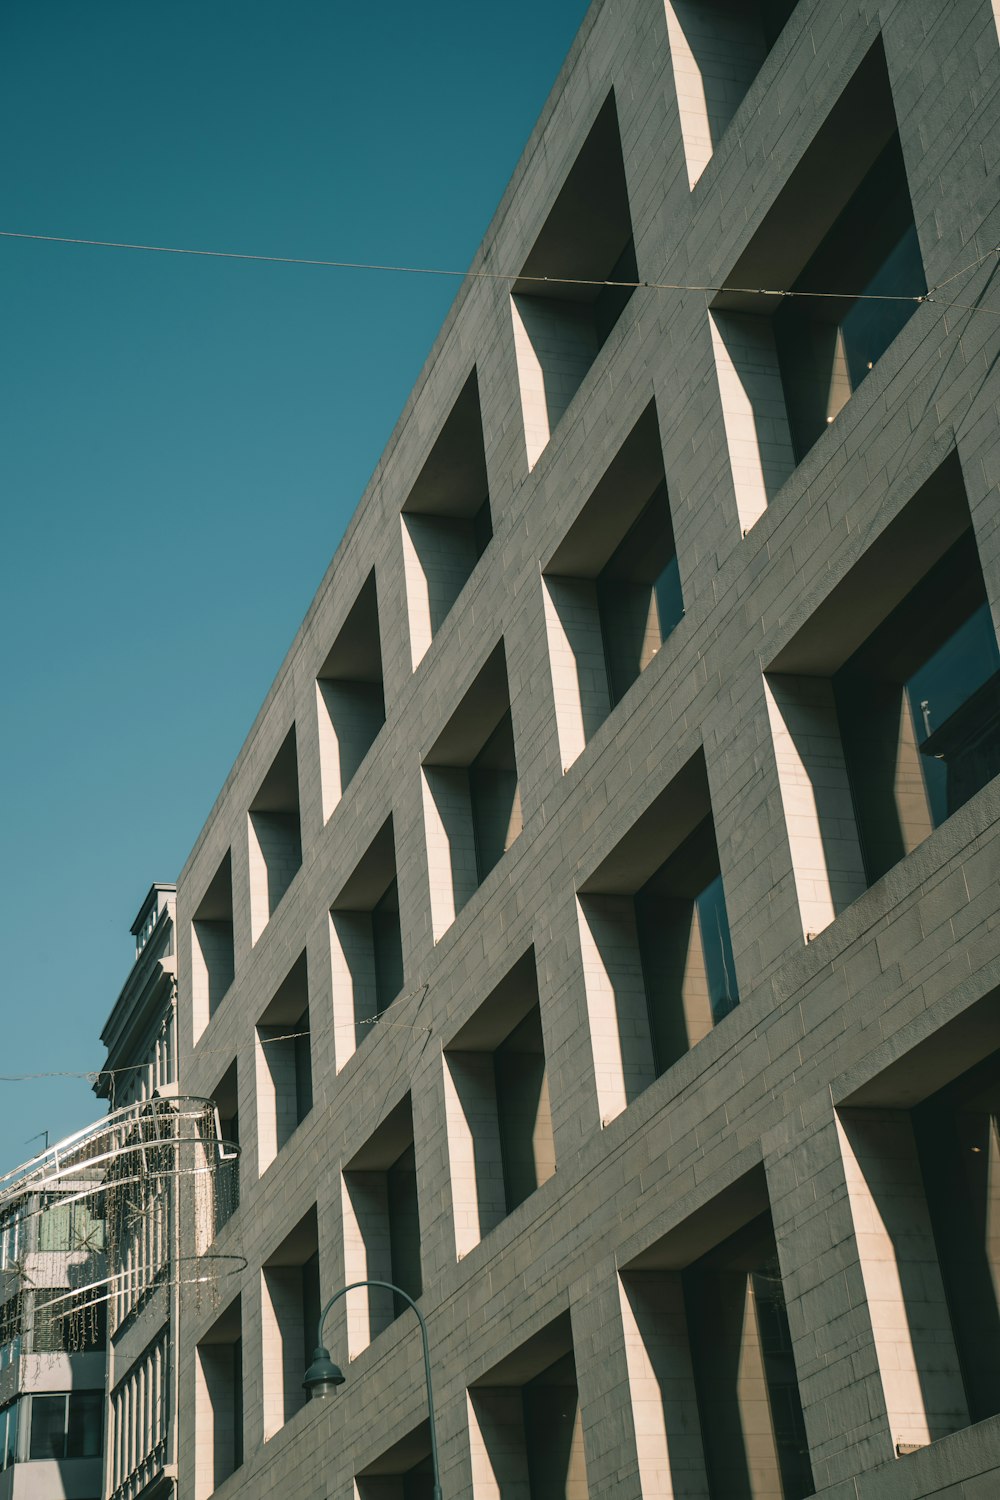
{"points": [[323, 1376]]}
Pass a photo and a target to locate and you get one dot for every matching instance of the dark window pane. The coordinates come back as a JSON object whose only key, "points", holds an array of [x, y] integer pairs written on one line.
{"points": [[303, 1068], [86, 1411], [387, 943], [8, 1435], [717, 947], [48, 1427], [404, 1227]]}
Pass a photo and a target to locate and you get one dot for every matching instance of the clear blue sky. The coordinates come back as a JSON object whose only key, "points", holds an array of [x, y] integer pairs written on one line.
{"points": [[182, 442]]}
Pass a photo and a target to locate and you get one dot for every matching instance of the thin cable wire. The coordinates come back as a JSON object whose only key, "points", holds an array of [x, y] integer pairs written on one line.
{"points": [[92, 1074], [994, 250], [505, 276]]}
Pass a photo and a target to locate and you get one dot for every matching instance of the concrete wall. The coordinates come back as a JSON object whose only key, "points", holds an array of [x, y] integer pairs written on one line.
{"points": [[760, 546]]}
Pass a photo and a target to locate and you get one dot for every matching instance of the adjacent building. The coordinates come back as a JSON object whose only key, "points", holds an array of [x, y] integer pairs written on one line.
{"points": [[53, 1332], [597, 936], [140, 1038]]}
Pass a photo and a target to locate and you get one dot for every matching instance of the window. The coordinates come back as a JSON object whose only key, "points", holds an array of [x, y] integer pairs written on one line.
{"points": [[840, 230], [919, 708], [283, 1065], [562, 316], [350, 697], [218, 1427], [525, 1417], [290, 1307], [382, 1226], [212, 952], [612, 588], [227, 1178], [11, 1326], [446, 520], [499, 1119], [8, 1435], [885, 704], [67, 1426], [275, 836], [657, 953], [70, 1225], [366, 944], [741, 1350], [68, 1322], [717, 48], [11, 1225], [472, 796]]}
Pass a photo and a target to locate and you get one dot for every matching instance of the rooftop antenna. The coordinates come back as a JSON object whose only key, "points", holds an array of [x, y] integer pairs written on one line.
{"points": [[38, 1138]]}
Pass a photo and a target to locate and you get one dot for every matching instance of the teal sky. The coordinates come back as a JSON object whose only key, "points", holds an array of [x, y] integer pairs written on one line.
{"points": [[183, 441]]}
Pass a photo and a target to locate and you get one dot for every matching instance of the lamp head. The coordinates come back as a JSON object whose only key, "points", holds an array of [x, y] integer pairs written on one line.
{"points": [[322, 1376]]}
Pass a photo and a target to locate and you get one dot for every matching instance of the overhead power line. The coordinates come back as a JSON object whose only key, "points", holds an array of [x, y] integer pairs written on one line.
{"points": [[511, 277]]}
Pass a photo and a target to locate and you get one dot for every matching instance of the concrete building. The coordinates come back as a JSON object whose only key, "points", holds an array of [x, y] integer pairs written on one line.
{"points": [[52, 1336], [597, 935]]}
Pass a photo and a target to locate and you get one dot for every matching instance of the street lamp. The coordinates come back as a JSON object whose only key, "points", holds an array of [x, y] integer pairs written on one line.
{"points": [[323, 1376]]}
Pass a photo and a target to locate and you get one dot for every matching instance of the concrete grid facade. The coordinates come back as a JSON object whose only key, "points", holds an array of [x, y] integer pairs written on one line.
{"points": [[858, 998]]}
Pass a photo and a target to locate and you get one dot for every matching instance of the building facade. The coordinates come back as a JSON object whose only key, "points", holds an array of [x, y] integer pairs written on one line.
{"points": [[53, 1334], [140, 1038], [597, 935]]}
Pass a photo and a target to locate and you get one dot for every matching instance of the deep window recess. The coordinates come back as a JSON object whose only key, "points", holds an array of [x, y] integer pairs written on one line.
{"points": [[275, 836], [526, 1410], [403, 1472], [560, 328], [446, 520], [639, 594], [919, 710], [366, 945], [226, 1178], [686, 949], [218, 1435], [67, 1426], [284, 1065], [749, 1407], [499, 1118], [290, 1310], [383, 1224], [657, 952], [212, 952], [612, 588], [472, 796], [717, 48], [828, 345], [885, 704], [842, 225], [958, 1140], [350, 696]]}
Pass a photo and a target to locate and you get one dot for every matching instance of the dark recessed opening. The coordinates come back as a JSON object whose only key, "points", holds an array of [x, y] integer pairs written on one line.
{"points": [[447, 524], [562, 316], [351, 696]]}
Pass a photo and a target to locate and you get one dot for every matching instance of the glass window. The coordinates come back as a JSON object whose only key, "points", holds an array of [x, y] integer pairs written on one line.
{"points": [[919, 710], [70, 1225], [8, 1435], [67, 1426], [717, 949], [48, 1427], [83, 1432], [10, 1236]]}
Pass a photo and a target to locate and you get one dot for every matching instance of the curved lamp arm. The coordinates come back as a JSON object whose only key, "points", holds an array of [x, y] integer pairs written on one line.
{"points": [[323, 1374]]}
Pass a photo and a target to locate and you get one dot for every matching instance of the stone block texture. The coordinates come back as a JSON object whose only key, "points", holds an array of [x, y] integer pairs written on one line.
{"points": [[858, 998]]}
